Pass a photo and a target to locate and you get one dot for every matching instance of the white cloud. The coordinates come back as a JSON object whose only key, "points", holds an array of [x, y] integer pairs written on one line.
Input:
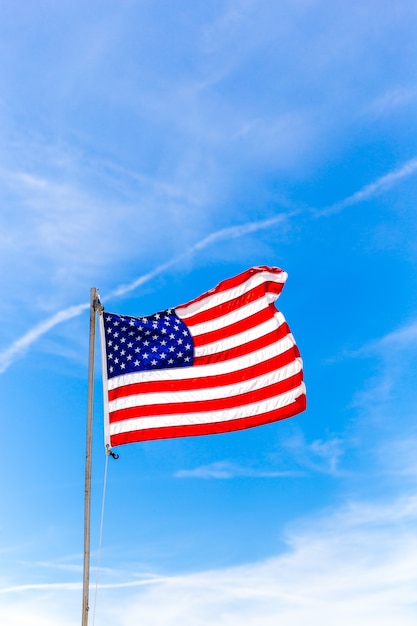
{"points": [[225, 470], [295, 457], [320, 455], [356, 565]]}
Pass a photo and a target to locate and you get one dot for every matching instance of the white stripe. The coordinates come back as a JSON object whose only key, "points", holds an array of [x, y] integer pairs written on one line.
{"points": [[214, 299], [208, 393], [236, 340], [201, 371], [230, 318], [211, 417], [235, 316]]}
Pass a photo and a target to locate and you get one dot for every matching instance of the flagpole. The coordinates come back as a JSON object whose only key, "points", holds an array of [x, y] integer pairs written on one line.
{"points": [[94, 301]]}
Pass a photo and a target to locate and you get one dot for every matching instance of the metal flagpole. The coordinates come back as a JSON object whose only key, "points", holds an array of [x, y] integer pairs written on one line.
{"points": [[94, 303]]}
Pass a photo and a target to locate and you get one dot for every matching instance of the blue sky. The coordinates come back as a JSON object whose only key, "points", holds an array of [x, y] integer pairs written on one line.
{"points": [[152, 149]]}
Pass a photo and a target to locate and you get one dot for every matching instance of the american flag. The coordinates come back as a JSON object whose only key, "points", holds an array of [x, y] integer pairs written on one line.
{"points": [[222, 362]]}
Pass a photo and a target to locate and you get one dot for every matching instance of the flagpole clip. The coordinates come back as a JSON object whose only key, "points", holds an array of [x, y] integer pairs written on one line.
{"points": [[110, 452]]}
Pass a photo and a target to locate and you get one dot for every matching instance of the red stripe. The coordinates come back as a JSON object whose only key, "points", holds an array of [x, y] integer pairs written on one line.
{"points": [[203, 406], [231, 305], [233, 329], [251, 346], [230, 283], [217, 380], [290, 410]]}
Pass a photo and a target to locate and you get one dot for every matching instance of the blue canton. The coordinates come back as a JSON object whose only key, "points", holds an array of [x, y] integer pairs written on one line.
{"points": [[135, 344]]}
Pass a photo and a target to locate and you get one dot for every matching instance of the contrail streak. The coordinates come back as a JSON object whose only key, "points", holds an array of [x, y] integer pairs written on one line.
{"points": [[10, 354], [381, 184], [76, 586]]}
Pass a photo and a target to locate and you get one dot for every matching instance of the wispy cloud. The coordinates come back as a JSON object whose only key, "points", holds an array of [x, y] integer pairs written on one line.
{"points": [[296, 457], [337, 562], [392, 99], [224, 470], [9, 354], [332, 571], [401, 339], [320, 455], [385, 406]]}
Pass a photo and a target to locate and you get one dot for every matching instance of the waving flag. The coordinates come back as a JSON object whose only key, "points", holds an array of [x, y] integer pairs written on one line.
{"points": [[222, 362]]}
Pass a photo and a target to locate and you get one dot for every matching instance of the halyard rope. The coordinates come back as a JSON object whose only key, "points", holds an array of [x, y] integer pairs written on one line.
{"points": [[101, 536]]}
